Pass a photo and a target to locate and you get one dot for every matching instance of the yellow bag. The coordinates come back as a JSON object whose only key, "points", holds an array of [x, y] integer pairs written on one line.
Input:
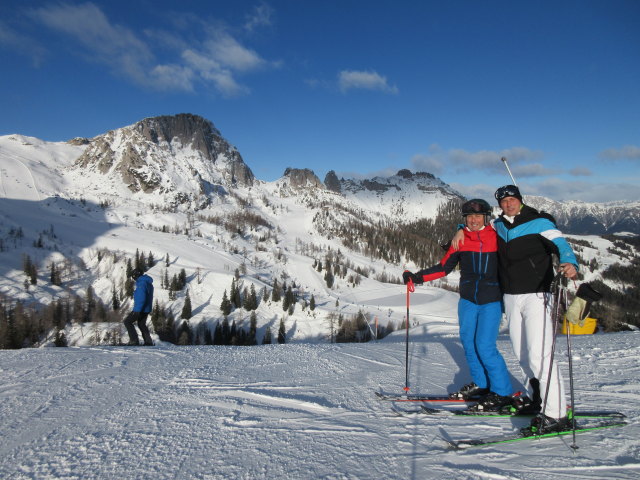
{"points": [[590, 326]]}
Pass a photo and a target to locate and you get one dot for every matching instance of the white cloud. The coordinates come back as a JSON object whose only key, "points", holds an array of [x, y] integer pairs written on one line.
{"points": [[211, 56], [518, 158], [11, 39], [260, 17], [172, 77], [113, 45], [480, 190], [352, 79], [226, 50], [209, 69], [425, 163], [627, 152], [581, 172], [560, 190]]}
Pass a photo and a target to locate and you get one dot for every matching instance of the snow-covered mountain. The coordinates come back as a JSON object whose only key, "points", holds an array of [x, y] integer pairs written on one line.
{"points": [[179, 159], [583, 218], [174, 187]]}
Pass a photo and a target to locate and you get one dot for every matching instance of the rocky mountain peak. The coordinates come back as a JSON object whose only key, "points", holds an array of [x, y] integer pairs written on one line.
{"points": [[332, 182], [183, 155], [302, 178]]}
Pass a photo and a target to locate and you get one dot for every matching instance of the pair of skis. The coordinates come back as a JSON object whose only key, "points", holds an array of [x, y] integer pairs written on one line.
{"points": [[586, 421], [419, 398], [581, 427]]}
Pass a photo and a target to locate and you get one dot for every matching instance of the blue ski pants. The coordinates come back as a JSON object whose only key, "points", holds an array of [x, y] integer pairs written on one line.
{"points": [[479, 325]]}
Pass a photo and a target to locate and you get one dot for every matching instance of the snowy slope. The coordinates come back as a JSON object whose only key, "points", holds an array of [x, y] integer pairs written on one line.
{"points": [[292, 411], [44, 192]]}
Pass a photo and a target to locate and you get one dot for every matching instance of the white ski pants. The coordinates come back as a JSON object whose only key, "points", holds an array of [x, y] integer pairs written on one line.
{"points": [[531, 331]]}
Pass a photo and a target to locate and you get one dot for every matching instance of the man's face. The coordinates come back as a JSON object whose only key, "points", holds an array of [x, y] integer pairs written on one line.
{"points": [[475, 221], [510, 206]]}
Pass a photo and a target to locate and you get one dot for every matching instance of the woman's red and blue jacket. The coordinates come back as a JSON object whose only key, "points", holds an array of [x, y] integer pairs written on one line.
{"points": [[478, 259]]}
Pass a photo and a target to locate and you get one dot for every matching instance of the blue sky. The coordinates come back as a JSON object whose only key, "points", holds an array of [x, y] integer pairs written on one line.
{"points": [[360, 87]]}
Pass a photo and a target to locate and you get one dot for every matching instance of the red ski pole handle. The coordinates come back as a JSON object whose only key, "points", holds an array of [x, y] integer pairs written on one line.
{"points": [[410, 285]]}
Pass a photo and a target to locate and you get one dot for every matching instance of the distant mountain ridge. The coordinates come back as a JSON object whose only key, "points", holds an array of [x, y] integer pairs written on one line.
{"points": [[184, 161], [580, 218]]}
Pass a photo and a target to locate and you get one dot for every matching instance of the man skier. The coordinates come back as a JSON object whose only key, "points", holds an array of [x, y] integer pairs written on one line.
{"points": [[479, 307], [142, 305], [527, 239]]}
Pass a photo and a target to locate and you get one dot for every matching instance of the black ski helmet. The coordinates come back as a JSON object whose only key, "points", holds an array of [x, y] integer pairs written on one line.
{"points": [[136, 274], [477, 206], [508, 191]]}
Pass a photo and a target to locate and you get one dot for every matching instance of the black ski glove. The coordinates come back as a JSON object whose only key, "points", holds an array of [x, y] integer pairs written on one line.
{"points": [[414, 277]]}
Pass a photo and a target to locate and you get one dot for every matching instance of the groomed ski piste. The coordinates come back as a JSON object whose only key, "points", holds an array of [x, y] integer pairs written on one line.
{"points": [[293, 411]]}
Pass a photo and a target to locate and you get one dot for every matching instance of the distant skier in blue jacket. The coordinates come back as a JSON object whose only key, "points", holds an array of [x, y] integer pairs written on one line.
{"points": [[142, 305]]}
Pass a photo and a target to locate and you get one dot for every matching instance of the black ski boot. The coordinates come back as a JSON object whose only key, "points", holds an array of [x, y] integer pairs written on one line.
{"points": [[541, 424], [523, 405], [469, 391], [492, 402]]}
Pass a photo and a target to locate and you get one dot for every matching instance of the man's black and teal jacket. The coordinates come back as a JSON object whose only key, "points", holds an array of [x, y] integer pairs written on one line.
{"points": [[525, 249], [478, 267]]}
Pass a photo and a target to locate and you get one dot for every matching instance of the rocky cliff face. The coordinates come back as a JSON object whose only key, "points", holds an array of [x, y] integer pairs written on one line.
{"points": [[184, 154], [302, 177]]}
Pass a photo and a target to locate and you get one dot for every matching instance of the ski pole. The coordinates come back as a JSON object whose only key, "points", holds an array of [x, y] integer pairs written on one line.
{"points": [[410, 288], [504, 160], [555, 314], [573, 421]]}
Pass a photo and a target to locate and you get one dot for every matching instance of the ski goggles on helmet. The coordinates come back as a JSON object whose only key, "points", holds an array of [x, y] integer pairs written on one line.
{"points": [[508, 191]]}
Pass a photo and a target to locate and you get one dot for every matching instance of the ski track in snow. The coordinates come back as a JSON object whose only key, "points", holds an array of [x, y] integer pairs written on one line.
{"points": [[288, 411]]}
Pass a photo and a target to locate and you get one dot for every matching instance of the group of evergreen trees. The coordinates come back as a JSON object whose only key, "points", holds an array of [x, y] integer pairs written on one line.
{"points": [[419, 242], [22, 326]]}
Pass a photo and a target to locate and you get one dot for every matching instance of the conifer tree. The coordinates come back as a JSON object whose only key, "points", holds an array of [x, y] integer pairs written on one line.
{"points": [[182, 279], [54, 275], [89, 304], [226, 337], [266, 340], [184, 334], [253, 299], [115, 301], [186, 309], [225, 306], [282, 333], [312, 303], [275, 293], [329, 278], [253, 325], [129, 287]]}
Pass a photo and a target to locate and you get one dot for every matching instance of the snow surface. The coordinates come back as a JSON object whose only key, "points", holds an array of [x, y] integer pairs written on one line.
{"points": [[297, 411]]}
